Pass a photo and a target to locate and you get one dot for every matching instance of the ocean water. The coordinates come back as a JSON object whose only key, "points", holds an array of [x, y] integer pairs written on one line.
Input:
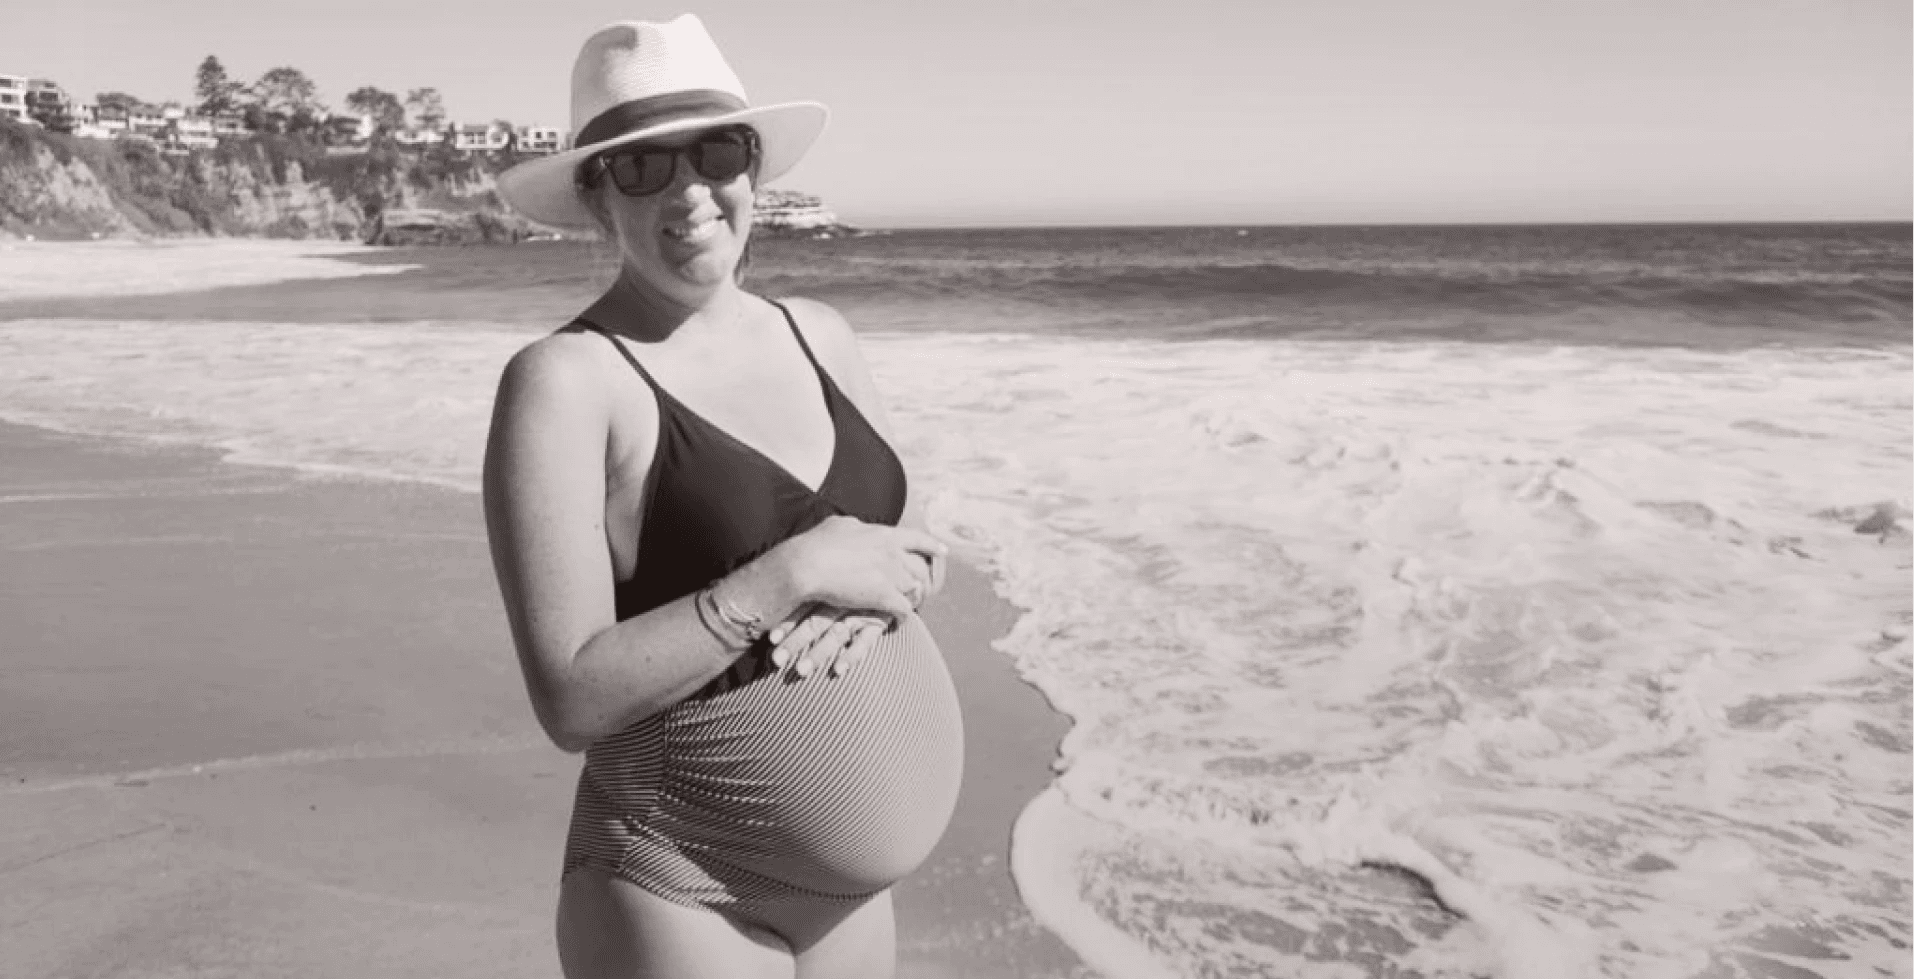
{"points": [[1525, 602]]}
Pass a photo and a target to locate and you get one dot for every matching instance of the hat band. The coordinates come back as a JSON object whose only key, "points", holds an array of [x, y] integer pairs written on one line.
{"points": [[638, 114]]}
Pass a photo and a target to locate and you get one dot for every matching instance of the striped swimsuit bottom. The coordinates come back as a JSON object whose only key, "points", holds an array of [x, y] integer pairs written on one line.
{"points": [[782, 793], [764, 795]]}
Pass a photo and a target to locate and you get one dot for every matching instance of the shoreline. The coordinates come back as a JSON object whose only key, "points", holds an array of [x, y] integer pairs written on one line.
{"points": [[271, 722]]}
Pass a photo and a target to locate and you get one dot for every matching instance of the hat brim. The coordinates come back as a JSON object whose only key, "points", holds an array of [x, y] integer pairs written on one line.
{"points": [[545, 191]]}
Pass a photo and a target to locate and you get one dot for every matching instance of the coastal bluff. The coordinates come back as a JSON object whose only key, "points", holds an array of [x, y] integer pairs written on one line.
{"points": [[54, 186]]}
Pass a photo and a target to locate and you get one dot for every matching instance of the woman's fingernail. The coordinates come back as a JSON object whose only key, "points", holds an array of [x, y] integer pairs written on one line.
{"points": [[804, 668], [779, 657]]}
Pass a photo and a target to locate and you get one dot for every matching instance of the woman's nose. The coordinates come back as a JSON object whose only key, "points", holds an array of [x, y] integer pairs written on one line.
{"points": [[685, 177]]}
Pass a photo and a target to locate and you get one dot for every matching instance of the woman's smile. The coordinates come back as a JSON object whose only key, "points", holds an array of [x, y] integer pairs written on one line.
{"points": [[694, 230]]}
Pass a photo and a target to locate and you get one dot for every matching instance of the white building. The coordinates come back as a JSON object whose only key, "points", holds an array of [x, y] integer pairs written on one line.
{"points": [[354, 129], [146, 121], [194, 132], [13, 97], [480, 137], [540, 139], [418, 137], [110, 121], [86, 123]]}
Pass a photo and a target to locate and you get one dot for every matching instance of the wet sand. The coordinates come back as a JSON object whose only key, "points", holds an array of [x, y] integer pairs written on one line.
{"points": [[258, 723]]}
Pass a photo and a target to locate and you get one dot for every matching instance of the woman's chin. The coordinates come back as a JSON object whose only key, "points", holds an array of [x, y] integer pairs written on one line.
{"points": [[706, 269]]}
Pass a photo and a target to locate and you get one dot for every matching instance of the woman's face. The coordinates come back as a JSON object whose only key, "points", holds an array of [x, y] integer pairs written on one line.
{"points": [[684, 241]]}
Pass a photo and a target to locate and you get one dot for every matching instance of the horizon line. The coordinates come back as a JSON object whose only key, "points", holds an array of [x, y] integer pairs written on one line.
{"points": [[1670, 223]]}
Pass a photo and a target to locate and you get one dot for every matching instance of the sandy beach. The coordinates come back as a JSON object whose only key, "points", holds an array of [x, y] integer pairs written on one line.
{"points": [[265, 724]]}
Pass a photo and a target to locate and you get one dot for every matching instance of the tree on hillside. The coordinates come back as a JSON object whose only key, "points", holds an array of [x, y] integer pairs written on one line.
{"points": [[309, 119], [384, 107], [286, 91], [283, 100], [425, 107], [511, 134], [217, 93], [118, 100]]}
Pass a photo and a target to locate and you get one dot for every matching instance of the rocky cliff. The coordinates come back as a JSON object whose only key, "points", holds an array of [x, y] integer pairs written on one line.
{"points": [[54, 186], [58, 186], [790, 213]]}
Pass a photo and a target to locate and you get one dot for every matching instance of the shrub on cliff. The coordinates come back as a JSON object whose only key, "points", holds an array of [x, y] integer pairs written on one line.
{"points": [[127, 176]]}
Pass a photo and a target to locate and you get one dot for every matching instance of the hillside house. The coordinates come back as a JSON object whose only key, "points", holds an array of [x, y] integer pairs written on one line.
{"points": [[86, 123], [418, 138], [540, 139], [475, 137], [13, 97], [48, 103], [146, 121], [112, 121], [194, 132]]}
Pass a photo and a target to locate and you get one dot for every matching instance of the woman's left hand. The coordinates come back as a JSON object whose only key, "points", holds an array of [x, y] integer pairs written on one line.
{"points": [[823, 637]]}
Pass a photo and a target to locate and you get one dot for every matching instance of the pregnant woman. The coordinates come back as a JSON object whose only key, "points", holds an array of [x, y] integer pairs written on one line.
{"points": [[694, 514]]}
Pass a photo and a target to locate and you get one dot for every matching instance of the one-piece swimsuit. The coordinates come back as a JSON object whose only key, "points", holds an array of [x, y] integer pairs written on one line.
{"points": [[765, 795]]}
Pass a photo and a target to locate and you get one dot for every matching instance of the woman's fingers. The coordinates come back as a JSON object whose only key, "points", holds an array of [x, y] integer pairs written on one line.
{"points": [[928, 573], [801, 635], [829, 640], [939, 568], [920, 542], [869, 629], [833, 639], [798, 615]]}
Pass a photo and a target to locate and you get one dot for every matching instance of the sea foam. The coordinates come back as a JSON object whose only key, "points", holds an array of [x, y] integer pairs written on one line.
{"points": [[38, 270]]}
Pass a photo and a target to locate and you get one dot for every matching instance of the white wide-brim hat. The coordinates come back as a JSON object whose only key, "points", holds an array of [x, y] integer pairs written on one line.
{"points": [[635, 80]]}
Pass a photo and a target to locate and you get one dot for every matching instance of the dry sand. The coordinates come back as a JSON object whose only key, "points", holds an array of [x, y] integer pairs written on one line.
{"points": [[259, 724]]}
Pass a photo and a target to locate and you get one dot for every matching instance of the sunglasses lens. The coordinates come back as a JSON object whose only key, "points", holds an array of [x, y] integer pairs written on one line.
{"points": [[722, 156], [719, 156], [639, 172]]}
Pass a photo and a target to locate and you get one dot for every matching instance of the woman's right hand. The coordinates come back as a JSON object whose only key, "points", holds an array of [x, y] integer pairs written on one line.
{"points": [[847, 563]]}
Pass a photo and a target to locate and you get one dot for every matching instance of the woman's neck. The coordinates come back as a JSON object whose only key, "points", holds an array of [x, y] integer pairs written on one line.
{"points": [[649, 315]]}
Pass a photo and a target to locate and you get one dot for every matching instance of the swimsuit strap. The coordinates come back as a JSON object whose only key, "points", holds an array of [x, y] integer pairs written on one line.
{"points": [[640, 368], [629, 359], [808, 355]]}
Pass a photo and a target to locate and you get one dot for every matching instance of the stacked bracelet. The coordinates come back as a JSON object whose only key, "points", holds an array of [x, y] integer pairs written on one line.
{"points": [[736, 630], [733, 640], [750, 625]]}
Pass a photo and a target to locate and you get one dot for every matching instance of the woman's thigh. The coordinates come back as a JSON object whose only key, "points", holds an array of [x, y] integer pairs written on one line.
{"points": [[862, 945], [610, 929]]}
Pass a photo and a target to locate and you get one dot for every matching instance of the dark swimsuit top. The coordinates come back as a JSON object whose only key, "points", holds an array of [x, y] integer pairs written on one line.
{"points": [[712, 503]]}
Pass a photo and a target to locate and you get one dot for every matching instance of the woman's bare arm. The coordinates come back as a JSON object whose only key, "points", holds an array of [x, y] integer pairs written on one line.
{"points": [[588, 674]]}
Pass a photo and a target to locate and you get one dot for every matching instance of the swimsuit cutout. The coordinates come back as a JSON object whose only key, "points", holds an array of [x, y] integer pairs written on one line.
{"points": [[764, 796]]}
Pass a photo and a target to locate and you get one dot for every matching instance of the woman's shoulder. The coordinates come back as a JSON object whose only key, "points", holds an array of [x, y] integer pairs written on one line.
{"points": [[567, 370], [558, 357]]}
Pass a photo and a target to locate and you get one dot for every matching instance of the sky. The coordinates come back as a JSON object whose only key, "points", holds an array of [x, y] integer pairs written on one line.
{"points": [[1045, 112]]}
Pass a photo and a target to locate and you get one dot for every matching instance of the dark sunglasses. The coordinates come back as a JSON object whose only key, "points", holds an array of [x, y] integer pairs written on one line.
{"points": [[718, 155]]}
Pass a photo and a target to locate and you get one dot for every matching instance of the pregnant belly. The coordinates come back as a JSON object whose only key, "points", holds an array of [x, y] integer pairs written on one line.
{"points": [[836, 786]]}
